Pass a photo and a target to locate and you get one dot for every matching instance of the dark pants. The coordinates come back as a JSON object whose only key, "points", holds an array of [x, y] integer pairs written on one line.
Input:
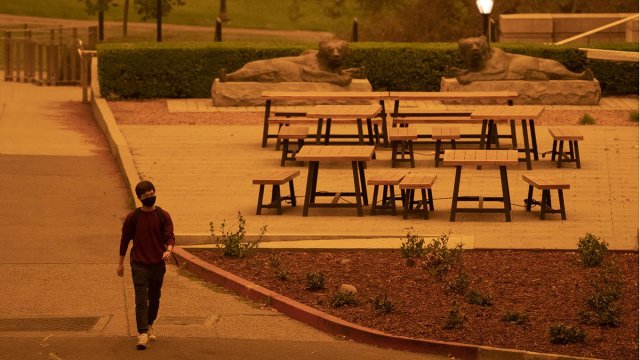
{"points": [[147, 283]]}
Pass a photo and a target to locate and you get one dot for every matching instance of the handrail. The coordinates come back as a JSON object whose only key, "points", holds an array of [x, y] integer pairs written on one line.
{"points": [[598, 29]]}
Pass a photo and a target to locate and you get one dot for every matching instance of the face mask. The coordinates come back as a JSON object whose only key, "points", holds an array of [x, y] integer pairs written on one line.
{"points": [[148, 202]]}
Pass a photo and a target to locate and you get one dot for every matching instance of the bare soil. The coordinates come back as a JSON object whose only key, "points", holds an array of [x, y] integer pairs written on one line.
{"points": [[549, 287]]}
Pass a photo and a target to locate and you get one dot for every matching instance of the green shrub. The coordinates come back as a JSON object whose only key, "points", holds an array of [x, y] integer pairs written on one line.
{"points": [[602, 305], [343, 298], [592, 250], [633, 116], [315, 281], [280, 272], [455, 318], [566, 334], [187, 69], [413, 247], [516, 318], [439, 259], [476, 297], [232, 242], [459, 284], [382, 304], [587, 119]]}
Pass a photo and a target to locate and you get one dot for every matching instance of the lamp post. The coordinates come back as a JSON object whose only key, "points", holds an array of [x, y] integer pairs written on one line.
{"points": [[485, 7]]}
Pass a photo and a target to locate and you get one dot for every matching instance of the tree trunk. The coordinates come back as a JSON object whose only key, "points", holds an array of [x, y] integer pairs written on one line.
{"points": [[159, 23], [125, 18], [100, 25]]}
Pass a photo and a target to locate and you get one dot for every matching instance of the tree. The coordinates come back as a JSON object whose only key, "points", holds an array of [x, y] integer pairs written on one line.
{"points": [[98, 6], [147, 8]]}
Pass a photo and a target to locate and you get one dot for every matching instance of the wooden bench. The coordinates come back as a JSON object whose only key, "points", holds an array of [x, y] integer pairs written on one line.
{"points": [[388, 179], [409, 184], [402, 137], [288, 133], [560, 135], [546, 184], [444, 133], [275, 178]]}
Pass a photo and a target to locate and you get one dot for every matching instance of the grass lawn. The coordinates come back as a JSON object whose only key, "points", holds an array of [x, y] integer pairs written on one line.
{"points": [[259, 14]]}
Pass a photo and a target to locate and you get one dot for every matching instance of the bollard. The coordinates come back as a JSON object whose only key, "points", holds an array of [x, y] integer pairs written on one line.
{"points": [[354, 30], [218, 34]]}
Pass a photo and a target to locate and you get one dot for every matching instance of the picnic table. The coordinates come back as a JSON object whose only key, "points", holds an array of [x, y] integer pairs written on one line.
{"points": [[270, 96], [346, 112], [315, 154], [527, 114], [443, 115], [500, 158]]}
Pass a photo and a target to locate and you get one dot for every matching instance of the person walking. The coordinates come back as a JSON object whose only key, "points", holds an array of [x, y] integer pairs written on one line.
{"points": [[151, 230]]}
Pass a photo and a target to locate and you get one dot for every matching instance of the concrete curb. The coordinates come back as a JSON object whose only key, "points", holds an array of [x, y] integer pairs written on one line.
{"points": [[117, 143], [339, 327]]}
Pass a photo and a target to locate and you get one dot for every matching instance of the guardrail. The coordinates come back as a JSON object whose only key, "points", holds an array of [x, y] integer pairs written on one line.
{"points": [[46, 56]]}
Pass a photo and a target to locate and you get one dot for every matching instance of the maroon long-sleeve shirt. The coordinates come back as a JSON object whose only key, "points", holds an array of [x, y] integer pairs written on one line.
{"points": [[150, 239]]}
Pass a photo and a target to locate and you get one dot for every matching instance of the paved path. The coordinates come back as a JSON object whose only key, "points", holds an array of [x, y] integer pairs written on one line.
{"points": [[63, 200]]}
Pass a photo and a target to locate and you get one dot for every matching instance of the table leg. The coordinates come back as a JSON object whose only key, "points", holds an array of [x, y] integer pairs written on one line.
{"points": [[314, 184], [327, 134], [308, 192], [363, 183], [356, 184], [483, 133], [383, 115], [265, 130], [370, 130], [456, 190], [525, 138], [514, 138], [506, 198], [534, 141], [319, 130], [360, 132]]}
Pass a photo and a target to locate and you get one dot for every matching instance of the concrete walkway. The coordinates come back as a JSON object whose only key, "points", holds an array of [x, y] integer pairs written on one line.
{"points": [[63, 202]]}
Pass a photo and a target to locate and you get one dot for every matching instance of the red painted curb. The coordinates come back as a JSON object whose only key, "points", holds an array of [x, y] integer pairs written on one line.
{"points": [[316, 318]]}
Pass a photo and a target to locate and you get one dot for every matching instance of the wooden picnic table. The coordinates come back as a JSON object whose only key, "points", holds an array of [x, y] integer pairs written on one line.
{"points": [[500, 158], [271, 96], [501, 113], [357, 155], [349, 112], [397, 96]]}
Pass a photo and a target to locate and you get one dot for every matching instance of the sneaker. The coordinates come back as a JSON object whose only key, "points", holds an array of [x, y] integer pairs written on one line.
{"points": [[151, 334], [143, 341]]}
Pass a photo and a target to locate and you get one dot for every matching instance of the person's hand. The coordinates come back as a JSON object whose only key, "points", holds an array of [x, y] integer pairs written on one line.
{"points": [[120, 270], [166, 255]]}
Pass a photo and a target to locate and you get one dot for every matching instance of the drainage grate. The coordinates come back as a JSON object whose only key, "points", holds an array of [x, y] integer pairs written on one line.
{"points": [[49, 324]]}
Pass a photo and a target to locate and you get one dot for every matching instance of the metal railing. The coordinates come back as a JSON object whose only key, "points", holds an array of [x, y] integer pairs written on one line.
{"points": [[46, 56], [596, 30]]}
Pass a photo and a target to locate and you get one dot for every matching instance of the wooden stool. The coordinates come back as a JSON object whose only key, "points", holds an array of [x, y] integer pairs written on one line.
{"points": [[546, 185], [275, 178], [403, 136], [444, 133], [412, 182], [388, 179], [291, 133], [560, 135]]}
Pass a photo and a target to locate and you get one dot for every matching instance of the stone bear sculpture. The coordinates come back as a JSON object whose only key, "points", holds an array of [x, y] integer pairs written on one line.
{"points": [[485, 63], [322, 65]]}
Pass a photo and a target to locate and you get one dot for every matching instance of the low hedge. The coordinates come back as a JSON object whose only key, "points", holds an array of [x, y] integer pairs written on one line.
{"points": [[187, 70]]}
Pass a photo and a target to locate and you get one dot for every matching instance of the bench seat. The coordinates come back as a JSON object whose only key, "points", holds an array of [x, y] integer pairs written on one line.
{"points": [[275, 178], [412, 182], [402, 138], [560, 135], [546, 184], [388, 179]]}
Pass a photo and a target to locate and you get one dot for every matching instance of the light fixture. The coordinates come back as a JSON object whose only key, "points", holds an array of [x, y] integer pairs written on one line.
{"points": [[485, 7]]}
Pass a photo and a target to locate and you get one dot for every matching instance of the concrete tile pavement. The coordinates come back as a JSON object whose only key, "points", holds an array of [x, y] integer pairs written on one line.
{"points": [[203, 175]]}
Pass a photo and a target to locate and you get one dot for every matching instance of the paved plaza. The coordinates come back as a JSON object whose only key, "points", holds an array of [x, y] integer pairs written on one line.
{"points": [[203, 173]]}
